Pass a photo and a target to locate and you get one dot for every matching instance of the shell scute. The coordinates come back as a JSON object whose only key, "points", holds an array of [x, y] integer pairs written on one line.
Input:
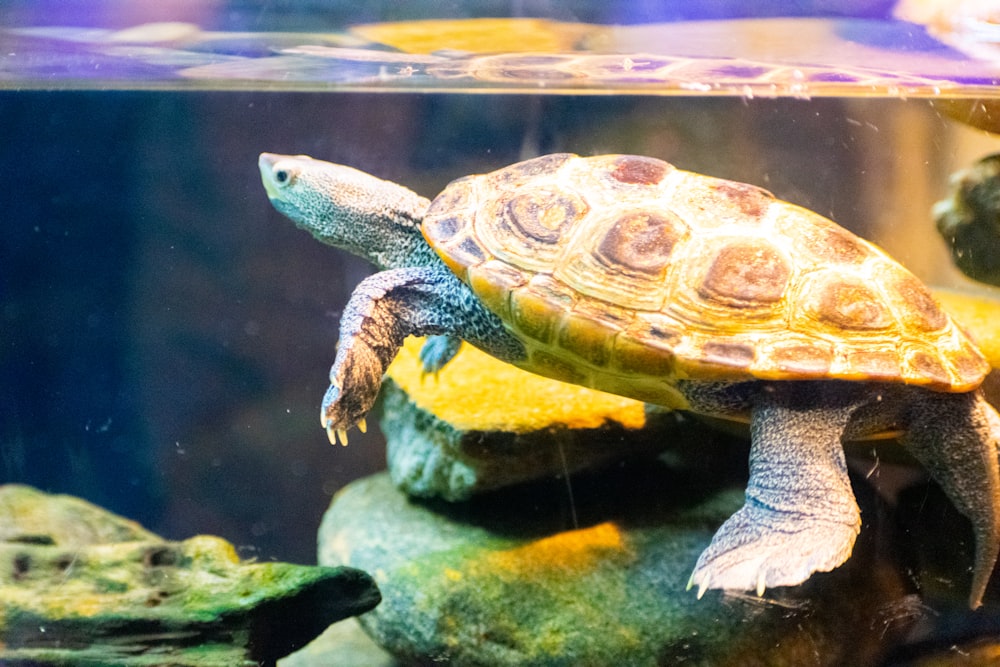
{"points": [[824, 241], [589, 336], [445, 225], [872, 364], [554, 366], [620, 270], [495, 283], [919, 309], [728, 354], [751, 201], [638, 170], [530, 228], [540, 216], [639, 242], [812, 359], [538, 307], [745, 274], [849, 305], [707, 203], [522, 172], [442, 227], [636, 355], [470, 252], [930, 367], [969, 363]]}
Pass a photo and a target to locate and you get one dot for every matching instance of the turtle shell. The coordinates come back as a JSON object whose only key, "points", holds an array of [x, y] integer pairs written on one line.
{"points": [[625, 273]]}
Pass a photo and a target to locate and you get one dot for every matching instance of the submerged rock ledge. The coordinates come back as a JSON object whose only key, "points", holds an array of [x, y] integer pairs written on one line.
{"points": [[82, 586], [508, 579]]}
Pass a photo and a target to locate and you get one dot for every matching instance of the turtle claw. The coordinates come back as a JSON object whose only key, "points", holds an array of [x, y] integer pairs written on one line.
{"points": [[334, 419], [785, 551], [702, 579], [338, 435], [329, 401]]}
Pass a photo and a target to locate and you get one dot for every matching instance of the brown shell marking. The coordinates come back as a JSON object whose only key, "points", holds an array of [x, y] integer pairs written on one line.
{"points": [[745, 274], [847, 305], [922, 312], [637, 170], [625, 273], [639, 242]]}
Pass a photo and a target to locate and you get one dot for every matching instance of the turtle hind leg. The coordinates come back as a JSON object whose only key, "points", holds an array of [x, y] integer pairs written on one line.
{"points": [[800, 515], [955, 437]]}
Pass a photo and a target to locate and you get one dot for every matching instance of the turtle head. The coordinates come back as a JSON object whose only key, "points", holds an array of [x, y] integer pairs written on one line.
{"points": [[321, 197], [344, 207]]}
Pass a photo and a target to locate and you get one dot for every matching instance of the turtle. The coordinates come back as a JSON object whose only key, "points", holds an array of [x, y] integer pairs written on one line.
{"points": [[629, 275]]}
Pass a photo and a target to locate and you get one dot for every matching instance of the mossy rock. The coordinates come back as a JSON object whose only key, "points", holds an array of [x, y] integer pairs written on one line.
{"points": [[83, 586], [481, 424], [534, 575]]}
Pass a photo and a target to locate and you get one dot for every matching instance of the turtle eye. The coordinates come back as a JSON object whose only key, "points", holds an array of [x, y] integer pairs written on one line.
{"points": [[284, 173]]}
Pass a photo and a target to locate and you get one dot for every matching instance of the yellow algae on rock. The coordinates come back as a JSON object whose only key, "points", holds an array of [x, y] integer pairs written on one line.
{"points": [[506, 581], [85, 586], [477, 392], [979, 315], [579, 550], [27, 515]]}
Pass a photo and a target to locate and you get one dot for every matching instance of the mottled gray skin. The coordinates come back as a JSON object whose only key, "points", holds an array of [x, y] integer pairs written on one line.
{"points": [[414, 293], [800, 515]]}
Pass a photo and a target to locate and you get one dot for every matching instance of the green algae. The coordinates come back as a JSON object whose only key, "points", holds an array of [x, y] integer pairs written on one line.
{"points": [[498, 582], [72, 599]]}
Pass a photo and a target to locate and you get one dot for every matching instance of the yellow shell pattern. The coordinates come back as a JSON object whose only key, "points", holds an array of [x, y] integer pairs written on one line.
{"points": [[624, 273]]}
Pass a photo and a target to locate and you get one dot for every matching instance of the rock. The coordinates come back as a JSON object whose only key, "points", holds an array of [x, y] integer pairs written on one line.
{"points": [[29, 516], [517, 577], [343, 644], [450, 437], [83, 586], [968, 219], [978, 313]]}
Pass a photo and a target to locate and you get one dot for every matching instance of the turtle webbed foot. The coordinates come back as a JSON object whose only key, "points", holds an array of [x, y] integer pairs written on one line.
{"points": [[759, 548], [437, 351]]}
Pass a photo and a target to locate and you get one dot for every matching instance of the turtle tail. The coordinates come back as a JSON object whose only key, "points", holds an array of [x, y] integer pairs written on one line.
{"points": [[957, 439], [987, 539]]}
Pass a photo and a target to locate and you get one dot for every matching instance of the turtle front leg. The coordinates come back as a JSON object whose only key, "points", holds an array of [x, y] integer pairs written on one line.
{"points": [[384, 309], [800, 515]]}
